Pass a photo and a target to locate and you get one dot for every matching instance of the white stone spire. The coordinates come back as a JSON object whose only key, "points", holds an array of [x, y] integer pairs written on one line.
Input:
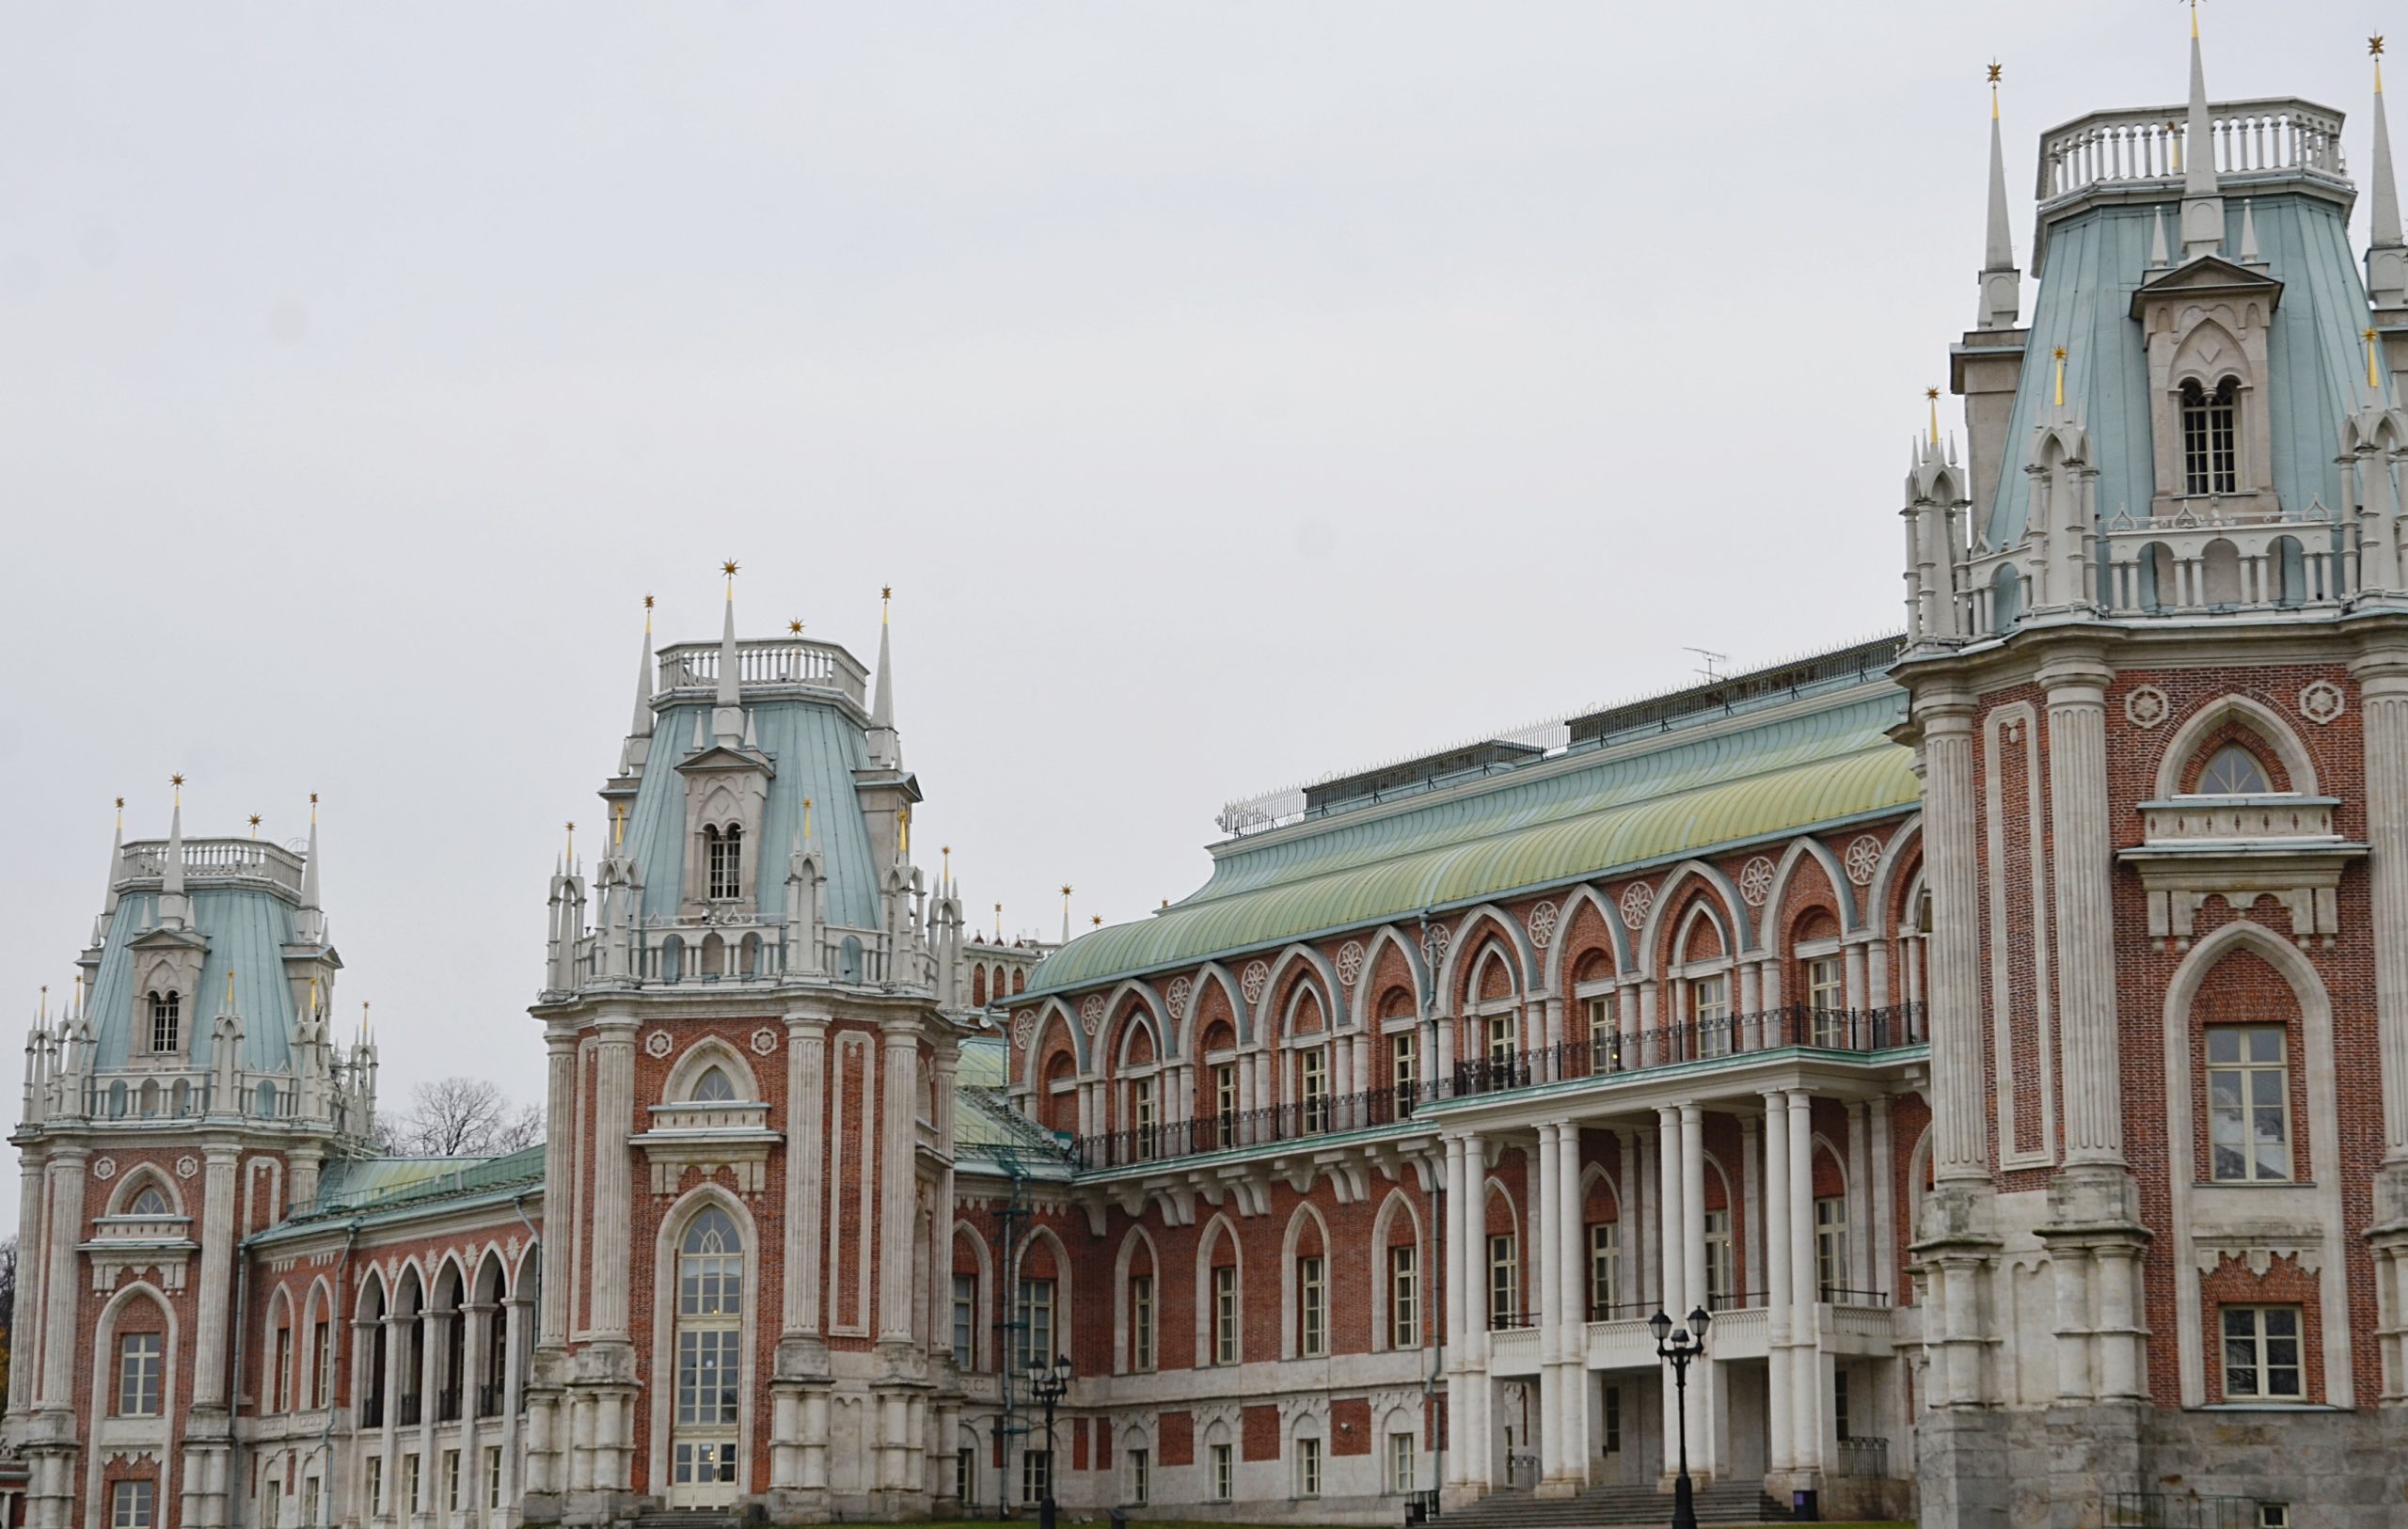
{"points": [[2202, 208], [727, 711], [2386, 251], [173, 913], [2001, 283], [312, 925], [885, 747], [642, 726]]}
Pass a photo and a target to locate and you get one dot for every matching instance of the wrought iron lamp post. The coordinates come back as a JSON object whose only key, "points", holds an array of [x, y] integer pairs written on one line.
{"points": [[1678, 1347], [1048, 1385]]}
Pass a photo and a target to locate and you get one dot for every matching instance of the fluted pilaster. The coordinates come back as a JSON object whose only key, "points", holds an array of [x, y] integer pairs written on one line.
{"points": [[2083, 859], [1959, 1109], [614, 1083]]}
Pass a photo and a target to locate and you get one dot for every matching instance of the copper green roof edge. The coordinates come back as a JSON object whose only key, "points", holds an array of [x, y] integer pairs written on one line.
{"points": [[1138, 949]]}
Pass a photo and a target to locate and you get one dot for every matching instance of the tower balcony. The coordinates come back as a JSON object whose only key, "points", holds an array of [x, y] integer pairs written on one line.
{"points": [[2137, 154], [765, 669], [248, 863]]}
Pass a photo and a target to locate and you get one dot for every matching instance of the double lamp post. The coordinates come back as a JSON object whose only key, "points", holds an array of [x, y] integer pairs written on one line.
{"points": [[1678, 1347]]}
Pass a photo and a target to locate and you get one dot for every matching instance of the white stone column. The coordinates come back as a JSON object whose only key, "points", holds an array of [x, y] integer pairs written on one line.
{"points": [[216, 1274], [516, 1314], [1544, 1272], [1885, 1215], [59, 1284], [1632, 1276], [1672, 1241], [899, 1185], [558, 1170], [430, 1373], [1458, 1184], [1780, 1301], [1806, 1359], [1752, 1200], [1481, 1467], [2083, 855], [1704, 1392], [1572, 1247], [1860, 1200], [390, 1486], [2382, 680], [1960, 1121], [24, 1325], [613, 1112], [806, 1172]]}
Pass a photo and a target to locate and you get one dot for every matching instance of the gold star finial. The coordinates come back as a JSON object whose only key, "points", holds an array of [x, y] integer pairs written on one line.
{"points": [[255, 825], [2374, 45], [647, 602], [1994, 72], [1065, 889], [176, 780], [728, 568], [795, 627], [120, 804]]}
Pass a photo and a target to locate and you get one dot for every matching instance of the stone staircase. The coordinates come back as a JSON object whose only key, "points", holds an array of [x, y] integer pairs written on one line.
{"points": [[1726, 1501], [689, 1519]]}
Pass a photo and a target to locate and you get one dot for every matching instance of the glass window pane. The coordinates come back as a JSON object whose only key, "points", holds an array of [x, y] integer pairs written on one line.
{"points": [[2266, 1045], [2266, 1087], [2281, 1321], [2224, 1044], [2224, 1089]]}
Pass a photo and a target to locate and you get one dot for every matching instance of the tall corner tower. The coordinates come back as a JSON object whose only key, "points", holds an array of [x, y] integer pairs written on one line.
{"points": [[749, 1010], [185, 1099], [2157, 670]]}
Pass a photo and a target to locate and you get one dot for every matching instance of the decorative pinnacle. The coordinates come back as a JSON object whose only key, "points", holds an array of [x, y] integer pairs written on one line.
{"points": [[176, 780], [1931, 396], [795, 627], [1994, 71], [728, 568], [120, 804], [647, 602], [255, 825]]}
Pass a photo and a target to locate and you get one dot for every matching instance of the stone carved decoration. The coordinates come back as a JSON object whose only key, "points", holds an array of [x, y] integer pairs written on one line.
{"points": [[1636, 899], [2146, 706], [1090, 1012], [765, 1040], [2259, 1249], [1755, 881], [1180, 989], [2323, 701], [1864, 858], [104, 1169], [187, 1165], [1542, 919], [1256, 977], [1433, 943], [1350, 962], [1024, 1028], [659, 1044]]}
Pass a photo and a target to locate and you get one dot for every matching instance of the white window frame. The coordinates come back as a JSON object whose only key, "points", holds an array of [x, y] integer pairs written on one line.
{"points": [[1504, 1280], [1312, 1306], [1404, 1275], [1141, 1323], [2247, 1114], [2261, 1349], [1225, 1475], [141, 1373], [1307, 1465], [1224, 1328], [1721, 1288], [134, 1505], [1403, 1452], [1312, 1086], [1605, 1270], [1831, 1245]]}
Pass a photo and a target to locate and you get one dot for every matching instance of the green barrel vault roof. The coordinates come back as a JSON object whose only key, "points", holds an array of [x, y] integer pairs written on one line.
{"points": [[1525, 829]]}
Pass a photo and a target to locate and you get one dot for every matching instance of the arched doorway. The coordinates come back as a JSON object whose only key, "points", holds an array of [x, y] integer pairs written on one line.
{"points": [[710, 1362]]}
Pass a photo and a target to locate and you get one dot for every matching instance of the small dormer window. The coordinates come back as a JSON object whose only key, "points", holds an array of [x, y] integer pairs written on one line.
{"points": [[149, 1203], [2233, 771], [726, 851], [713, 1088], [2210, 465], [166, 1022]]}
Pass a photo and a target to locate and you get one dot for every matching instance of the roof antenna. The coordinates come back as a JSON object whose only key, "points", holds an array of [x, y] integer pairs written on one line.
{"points": [[1711, 658]]}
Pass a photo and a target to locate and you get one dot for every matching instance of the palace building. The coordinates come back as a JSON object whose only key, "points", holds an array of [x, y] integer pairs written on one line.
{"points": [[1999, 1030]]}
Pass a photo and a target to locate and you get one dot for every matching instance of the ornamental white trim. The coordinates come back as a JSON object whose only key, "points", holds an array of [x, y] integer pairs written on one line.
{"points": [[1090, 1012], [1755, 881], [1636, 899], [1350, 962], [2146, 706], [659, 1044], [2322, 703], [104, 1169], [1257, 977], [1433, 944], [1863, 860], [1543, 918], [1181, 989], [765, 1040]]}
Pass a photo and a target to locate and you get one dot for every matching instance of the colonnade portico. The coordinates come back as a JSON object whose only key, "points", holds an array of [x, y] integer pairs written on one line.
{"points": [[1760, 1404]]}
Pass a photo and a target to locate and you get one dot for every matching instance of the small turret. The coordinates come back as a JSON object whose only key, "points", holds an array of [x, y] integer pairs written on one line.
{"points": [[174, 912], [639, 745], [2001, 283], [310, 923], [885, 745], [2202, 207], [2387, 249]]}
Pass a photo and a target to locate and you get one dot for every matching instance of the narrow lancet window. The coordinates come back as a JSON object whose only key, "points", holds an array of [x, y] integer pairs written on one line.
{"points": [[2208, 462], [726, 848], [166, 1022]]}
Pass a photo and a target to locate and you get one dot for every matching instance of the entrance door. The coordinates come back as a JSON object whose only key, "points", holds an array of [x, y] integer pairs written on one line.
{"points": [[710, 1362]]}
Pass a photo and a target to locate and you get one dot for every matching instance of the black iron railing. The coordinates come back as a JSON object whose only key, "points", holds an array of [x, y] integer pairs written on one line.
{"points": [[490, 1397], [411, 1404], [1788, 1028], [2179, 1510], [447, 1405], [371, 1412], [1839, 1295], [1864, 1454], [1510, 1321]]}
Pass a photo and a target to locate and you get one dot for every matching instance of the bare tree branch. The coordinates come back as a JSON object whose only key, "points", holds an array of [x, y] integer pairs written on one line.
{"points": [[459, 1117]]}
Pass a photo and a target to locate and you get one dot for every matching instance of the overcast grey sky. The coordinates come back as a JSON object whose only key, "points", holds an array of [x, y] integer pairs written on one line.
{"points": [[1232, 393]]}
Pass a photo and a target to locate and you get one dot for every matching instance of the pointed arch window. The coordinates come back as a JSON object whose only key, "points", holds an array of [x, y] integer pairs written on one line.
{"points": [[711, 1305], [149, 1203], [166, 1021], [2208, 462], [726, 853], [713, 1087], [2233, 771]]}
